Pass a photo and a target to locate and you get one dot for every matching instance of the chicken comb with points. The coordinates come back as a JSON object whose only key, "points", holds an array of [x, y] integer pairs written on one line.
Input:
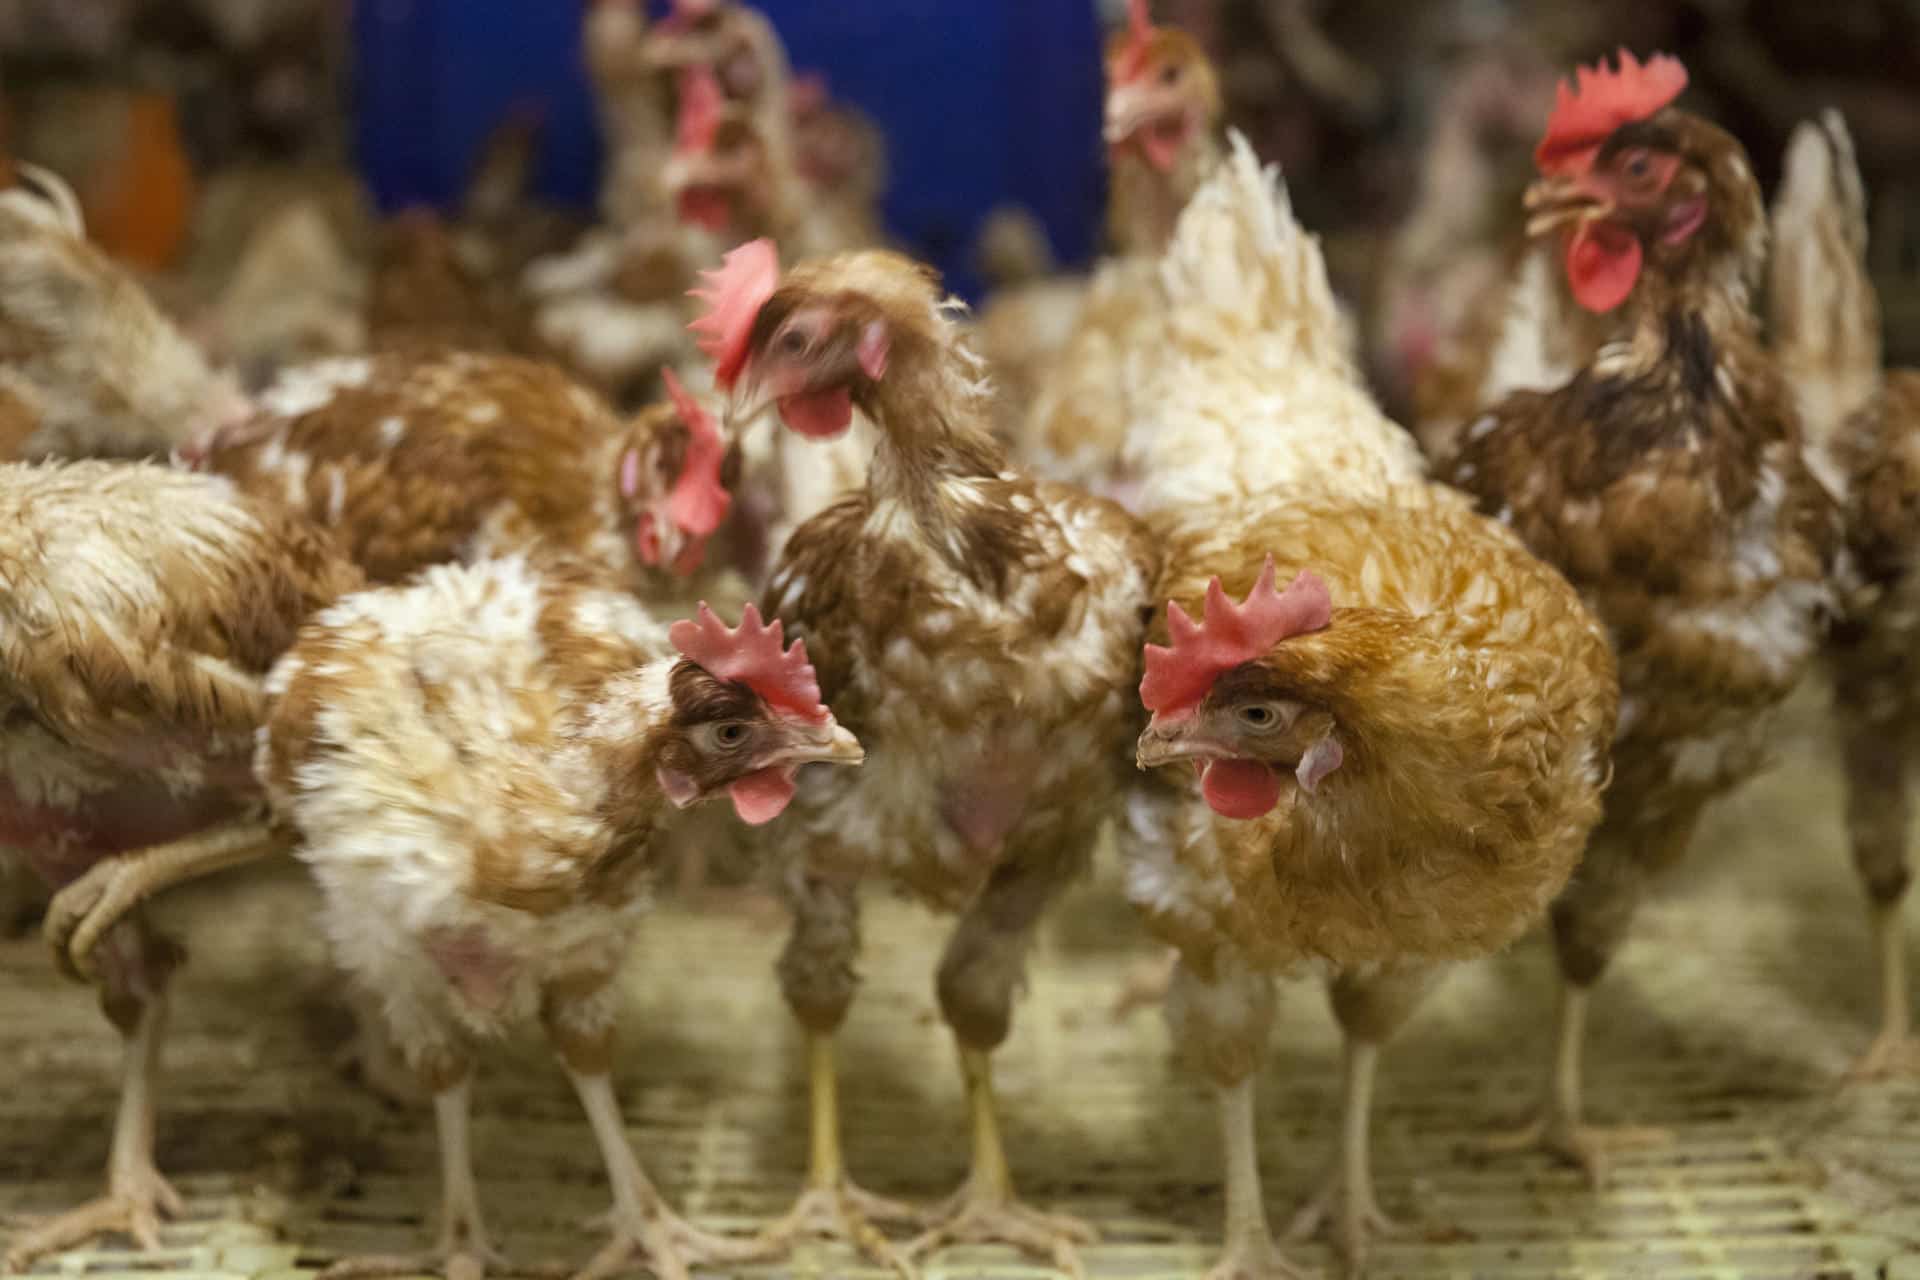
{"points": [[700, 104], [734, 293], [699, 501], [752, 654], [1603, 98], [1132, 60], [1228, 635]]}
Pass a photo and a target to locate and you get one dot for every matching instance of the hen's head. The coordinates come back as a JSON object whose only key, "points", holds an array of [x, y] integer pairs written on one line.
{"points": [[746, 715], [731, 39], [719, 174], [1162, 93], [1631, 182], [1218, 699], [674, 481], [816, 342]]}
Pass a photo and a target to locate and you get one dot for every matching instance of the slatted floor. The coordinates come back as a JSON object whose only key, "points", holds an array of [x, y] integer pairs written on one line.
{"points": [[1729, 1019]]}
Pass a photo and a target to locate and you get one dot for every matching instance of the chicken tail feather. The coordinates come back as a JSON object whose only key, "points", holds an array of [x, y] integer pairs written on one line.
{"points": [[1825, 317]]}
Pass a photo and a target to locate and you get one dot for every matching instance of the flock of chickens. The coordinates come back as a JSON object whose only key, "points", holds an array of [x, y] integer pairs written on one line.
{"points": [[1351, 698]]}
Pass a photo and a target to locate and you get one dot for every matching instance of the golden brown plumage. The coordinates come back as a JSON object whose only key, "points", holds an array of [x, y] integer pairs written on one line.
{"points": [[1402, 771], [142, 609]]}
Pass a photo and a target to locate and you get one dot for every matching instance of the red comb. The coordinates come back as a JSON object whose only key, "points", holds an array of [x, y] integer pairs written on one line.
{"points": [[699, 501], [700, 103], [1229, 634], [1585, 114], [751, 653], [1132, 61], [735, 292]]}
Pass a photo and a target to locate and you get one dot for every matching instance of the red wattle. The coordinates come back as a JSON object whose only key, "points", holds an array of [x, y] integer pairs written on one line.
{"points": [[1239, 788], [1603, 263], [761, 797], [818, 415]]}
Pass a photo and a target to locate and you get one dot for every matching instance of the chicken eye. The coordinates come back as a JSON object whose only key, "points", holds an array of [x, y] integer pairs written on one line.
{"points": [[1637, 165], [1170, 74], [726, 735], [1258, 716], [793, 343]]}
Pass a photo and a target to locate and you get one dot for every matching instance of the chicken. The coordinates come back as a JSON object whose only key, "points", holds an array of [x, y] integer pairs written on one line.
{"points": [[739, 44], [479, 764], [1389, 766], [1163, 114], [88, 365], [1666, 481], [1163, 111], [414, 459], [1450, 254], [631, 99], [142, 609], [434, 285], [1863, 441], [979, 630]]}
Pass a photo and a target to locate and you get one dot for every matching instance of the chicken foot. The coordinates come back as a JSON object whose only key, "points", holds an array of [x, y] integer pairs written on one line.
{"points": [[1895, 1051], [137, 1195], [1557, 1127], [1349, 1183], [645, 1230], [831, 1207], [985, 1210], [464, 1251], [83, 911], [1250, 1253]]}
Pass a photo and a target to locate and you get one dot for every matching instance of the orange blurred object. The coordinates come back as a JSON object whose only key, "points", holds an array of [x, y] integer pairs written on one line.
{"points": [[139, 206]]}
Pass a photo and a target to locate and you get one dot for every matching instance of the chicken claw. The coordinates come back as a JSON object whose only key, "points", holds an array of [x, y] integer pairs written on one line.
{"points": [[846, 1212], [137, 1196], [667, 1244], [1585, 1145], [1258, 1259], [980, 1217], [1889, 1057], [83, 911], [1360, 1218]]}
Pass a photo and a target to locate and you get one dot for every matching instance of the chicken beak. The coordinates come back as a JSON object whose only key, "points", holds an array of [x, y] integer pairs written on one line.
{"points": [[1177, 740], [746, 402], [1556, 202], [820, 744], [1131, 108]]}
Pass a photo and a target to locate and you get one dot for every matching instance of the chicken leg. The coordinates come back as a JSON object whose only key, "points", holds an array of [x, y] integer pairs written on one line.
{"points": [[817, 979], [1250, 1253], [645, 1230], [978, 975], [1349, 1183], [1879, 812], [985, 1210], [831, 1206], [137, 1195], [464, 1251], [1557, 1126], [83, 911], [1895, 1051]]}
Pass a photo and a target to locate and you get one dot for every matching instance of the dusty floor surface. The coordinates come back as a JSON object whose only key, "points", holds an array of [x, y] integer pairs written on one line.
{"points": [[1742, 997]]}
